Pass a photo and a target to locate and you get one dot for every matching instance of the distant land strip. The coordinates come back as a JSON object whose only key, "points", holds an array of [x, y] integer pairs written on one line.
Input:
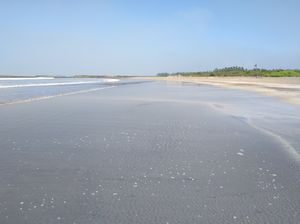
{"points": [[239, 71]]}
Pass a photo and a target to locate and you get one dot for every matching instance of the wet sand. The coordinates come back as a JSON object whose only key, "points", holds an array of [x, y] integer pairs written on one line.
{"points": [[153, 152], [284, 88]]}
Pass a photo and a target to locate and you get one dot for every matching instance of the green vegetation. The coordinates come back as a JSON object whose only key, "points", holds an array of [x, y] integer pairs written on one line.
{"points": [[239, 71]]}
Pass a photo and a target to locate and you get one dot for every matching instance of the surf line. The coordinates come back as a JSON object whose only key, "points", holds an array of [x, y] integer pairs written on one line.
{"points": [[289, 149], [27, 78], [285, 143], [55, 84], [54, 96]]}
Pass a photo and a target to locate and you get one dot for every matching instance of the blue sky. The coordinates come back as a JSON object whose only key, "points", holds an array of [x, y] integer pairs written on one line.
{"points": [[136, 37]]}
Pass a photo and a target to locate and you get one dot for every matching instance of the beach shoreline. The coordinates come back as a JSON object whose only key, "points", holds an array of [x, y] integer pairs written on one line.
{"points": [[284, 88], [158, 151]]}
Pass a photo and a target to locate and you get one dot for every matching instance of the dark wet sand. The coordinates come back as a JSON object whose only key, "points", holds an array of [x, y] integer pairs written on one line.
{"points": [[144, 153]]}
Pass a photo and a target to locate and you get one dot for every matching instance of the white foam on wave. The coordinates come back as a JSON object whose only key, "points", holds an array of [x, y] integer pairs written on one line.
{"points": [[111, 80], [57, 83], [26, 78]]}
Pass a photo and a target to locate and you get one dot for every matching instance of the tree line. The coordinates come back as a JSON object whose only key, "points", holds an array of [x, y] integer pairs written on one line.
{"points": [[238, 71]]}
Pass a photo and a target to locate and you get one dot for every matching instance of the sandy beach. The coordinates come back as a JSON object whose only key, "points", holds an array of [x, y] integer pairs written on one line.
{"points": [[150, 112], [150, 152], [284, 88]]}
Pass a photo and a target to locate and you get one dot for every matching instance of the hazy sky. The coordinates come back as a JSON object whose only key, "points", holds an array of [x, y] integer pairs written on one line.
{"points": [[66, 37]]}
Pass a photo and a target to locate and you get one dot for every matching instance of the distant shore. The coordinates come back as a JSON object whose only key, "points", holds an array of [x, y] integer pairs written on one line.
{"points": [[285, 88]]}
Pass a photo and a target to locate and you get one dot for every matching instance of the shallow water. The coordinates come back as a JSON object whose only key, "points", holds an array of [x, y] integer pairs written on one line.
{"points": [[277, 118], [148, 152]]}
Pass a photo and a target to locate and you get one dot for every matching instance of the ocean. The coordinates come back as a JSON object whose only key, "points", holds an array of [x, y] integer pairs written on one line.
{"points": [[13, 90]]}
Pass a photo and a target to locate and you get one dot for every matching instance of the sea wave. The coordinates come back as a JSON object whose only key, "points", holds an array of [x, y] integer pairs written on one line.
{"points": [[26, 78], [58, 83]]}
